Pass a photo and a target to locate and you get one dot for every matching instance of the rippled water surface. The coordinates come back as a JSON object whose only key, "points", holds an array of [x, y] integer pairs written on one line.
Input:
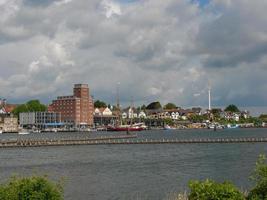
{"points": [[135, 171]]}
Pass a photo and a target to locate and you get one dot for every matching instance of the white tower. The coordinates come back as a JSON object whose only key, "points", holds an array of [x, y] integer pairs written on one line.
{"points": [[209, 88]]}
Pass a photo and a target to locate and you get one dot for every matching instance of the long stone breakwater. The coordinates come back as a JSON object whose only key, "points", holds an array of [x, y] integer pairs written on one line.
{"points": [[120, 140]]}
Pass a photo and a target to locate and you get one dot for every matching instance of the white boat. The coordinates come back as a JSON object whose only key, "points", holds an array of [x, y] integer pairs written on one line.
{"points": [[23, 132], [167, 127], [54, 130], [232, 126], [1, 131], [36, 131]]}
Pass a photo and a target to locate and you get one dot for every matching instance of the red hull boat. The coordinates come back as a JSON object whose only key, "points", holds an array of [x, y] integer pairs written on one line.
{"points": [[124, 128]]}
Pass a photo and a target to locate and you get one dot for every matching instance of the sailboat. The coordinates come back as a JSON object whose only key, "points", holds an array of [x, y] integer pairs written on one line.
{"points": [[128, 127], [124, 128], [119, 126]]}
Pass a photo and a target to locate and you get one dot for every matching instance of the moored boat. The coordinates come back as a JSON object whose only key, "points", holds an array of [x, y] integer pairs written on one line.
{"points": [[23, 132], [232, 126], [167, 127], [124, 128]]}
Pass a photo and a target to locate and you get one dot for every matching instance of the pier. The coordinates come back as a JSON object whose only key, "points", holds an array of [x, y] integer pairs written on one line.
{"points": [[120, 140]]}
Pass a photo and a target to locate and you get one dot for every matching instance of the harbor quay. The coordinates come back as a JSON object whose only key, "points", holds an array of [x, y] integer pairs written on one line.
{"points": [[122, 140]]}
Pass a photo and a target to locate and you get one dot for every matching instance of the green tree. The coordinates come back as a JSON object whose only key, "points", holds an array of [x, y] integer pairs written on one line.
{"points": [[263, 117], [154, 105], [259, 176], [210, 190], [143, 107], [31, 188], [100, 104], [30, 106], [168, 121], [198, 118], [35, 105], [256, 121], [232, 108], [170, 106], [19, 109]]}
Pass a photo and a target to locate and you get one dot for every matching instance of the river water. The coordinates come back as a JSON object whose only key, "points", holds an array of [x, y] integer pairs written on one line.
{"points": [[120, 172]]}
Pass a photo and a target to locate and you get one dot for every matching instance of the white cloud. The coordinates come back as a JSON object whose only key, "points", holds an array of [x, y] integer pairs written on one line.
{"points": [[62, 2], [158, 50], [110, 8]]}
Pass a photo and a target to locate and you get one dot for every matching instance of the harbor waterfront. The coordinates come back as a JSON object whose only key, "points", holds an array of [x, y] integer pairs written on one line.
{"points": [[135, 171]]}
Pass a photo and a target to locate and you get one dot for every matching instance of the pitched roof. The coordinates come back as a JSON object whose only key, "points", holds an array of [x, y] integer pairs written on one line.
{"points": [[10, 107]]}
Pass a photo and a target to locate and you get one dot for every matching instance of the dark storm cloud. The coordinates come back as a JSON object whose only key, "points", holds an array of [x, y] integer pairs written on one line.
{"points": [[236, 35], [250, 55]]}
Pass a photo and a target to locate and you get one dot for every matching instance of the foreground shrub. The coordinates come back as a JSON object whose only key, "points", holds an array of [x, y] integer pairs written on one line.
{"points": [[32, 188], [210, 190], [259, 192]]}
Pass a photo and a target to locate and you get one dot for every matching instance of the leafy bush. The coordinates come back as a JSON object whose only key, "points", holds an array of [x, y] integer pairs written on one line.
{"points": [[210, 190], [32, 188], [259, 192]]}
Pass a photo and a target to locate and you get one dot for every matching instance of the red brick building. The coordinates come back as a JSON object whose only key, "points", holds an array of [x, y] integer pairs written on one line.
{"points": [[76, 109]]}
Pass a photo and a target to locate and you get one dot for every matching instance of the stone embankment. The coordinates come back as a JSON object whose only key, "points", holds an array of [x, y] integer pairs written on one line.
{"points": [[120, 140]]}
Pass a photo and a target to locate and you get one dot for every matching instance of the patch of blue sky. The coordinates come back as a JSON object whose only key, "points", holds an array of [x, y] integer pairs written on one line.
{"points": [[202, 3]]}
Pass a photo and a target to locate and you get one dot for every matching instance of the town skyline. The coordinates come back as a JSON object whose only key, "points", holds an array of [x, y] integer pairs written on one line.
{"points": [[167, 52]]}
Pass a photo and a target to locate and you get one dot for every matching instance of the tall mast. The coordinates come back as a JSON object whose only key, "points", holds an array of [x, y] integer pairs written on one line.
{"points": [[118, 95], [132, 112], [118, 103]]}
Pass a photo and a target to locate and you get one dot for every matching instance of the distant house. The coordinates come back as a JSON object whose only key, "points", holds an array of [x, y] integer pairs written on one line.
{"points": [[245, 114], [155, 113], [231, 116], [10, 107], [103, 111], [197, 110], [2, 111], [8, 124], [104, 116], [172, 113], [129, 113], [186, 113], [142, 114], [124, 115], [7, 108]]}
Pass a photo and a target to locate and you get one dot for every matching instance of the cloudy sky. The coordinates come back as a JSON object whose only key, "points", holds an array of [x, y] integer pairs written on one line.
{"points": [[165, 50]]}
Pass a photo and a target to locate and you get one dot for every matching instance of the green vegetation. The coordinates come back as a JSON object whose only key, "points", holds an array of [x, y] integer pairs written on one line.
{"points": [[30, 106], [259, 176], [210, 190], [154, 105], [256, 121], [198, 118], [170, 106], [32, 188], [169, 122], [143, 107], [216, 113], [100, 104], [232, 108], [263, 117]]}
